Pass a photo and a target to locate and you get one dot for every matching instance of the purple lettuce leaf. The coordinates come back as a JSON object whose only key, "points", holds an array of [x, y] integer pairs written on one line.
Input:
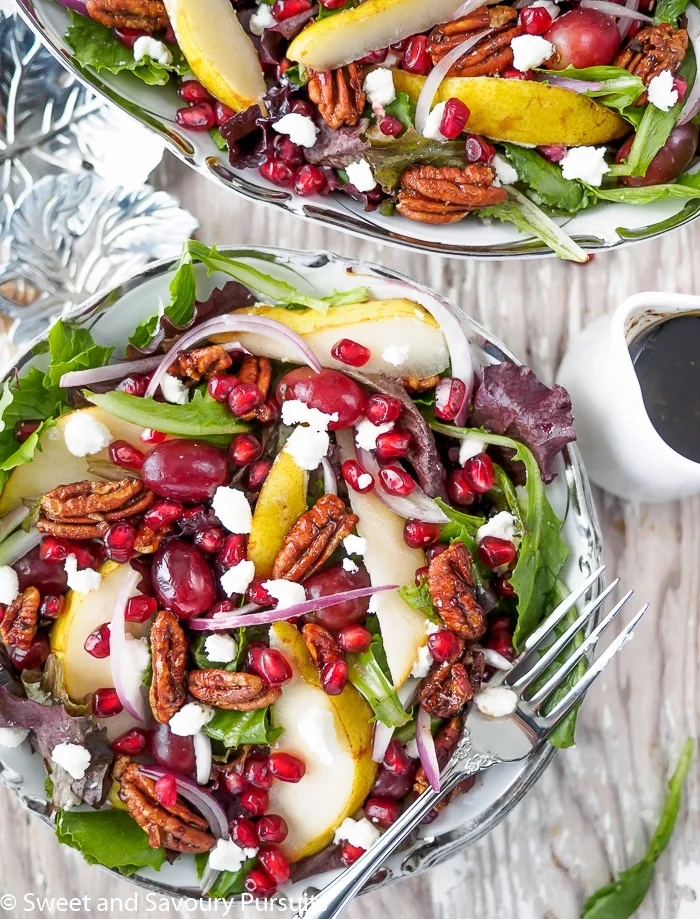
{"points": [[338, 148], [511, 400], [288, 28], [249, 135]]}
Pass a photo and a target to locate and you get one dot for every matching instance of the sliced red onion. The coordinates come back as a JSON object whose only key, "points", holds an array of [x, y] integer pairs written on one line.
{"points": [[416, 506], [624, 25], [381, 740], [17, 545], [76, 5], [576, 86], [692, 103], [614, 9], [225, 621], [202, 757], [241, 611], [222, 324], [330, 483], [437, 75], [204, 801], [127, 681], [13, 519], [426, 749]]}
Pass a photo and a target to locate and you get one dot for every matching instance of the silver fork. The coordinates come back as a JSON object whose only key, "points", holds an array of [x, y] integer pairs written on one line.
{"points": [[489, 742]]}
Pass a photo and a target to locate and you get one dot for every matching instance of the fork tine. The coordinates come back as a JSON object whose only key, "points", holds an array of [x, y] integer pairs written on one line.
{"points": [[579, 689], [524, 673], [590, 642], [558, 614]]}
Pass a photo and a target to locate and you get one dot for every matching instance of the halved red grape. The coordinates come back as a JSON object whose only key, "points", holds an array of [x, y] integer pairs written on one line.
{"points": [[583, 38], [672, 159]]}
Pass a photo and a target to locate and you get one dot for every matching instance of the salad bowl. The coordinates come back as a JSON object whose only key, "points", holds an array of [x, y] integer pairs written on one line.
{"points": [[110, 319], [610, 223]]}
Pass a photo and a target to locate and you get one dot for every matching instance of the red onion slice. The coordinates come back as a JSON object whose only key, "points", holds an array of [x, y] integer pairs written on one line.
{"points": [[692, 103], [76, 5], [426, 749], [204, 801], [380, 741], [624, 25], [469, 6], [576, 86], [225, 621], [416, 506], [614, 9], [127, 681], [202, 757], [330, 483]]}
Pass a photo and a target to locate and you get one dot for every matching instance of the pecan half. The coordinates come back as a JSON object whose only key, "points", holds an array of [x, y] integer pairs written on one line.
{"points": [[449, 686], [652, 50], [488, 57], [19, 623], [313, 539], [420, 384], [169, 658], [237, 692], [149, 15], [445, 194], [174, 827], [452, 589], [84, 510], [257, 370], [323, 647], [148, 541], [338, 94], [201, 363]]}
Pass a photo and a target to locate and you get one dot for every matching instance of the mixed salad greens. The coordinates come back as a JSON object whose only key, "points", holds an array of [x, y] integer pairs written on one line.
{"points": [[524, 113], [255, 570]]}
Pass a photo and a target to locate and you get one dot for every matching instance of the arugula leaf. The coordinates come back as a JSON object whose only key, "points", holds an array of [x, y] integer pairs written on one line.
{"points": [[110, 838], [402, 108], [95, 46], [419, 599], [623, 897], [227, 883], [233, 729], [547, 181], [669, 11], [389, 157], [620, 89], [369, 674]]}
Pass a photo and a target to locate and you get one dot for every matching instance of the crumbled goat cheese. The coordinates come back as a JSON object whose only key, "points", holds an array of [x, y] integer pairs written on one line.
{"points": [[433, 122], [220, 649], [396, 355], [299, 128], [359, 833], [317, 727], [145, 46], [232, 508], [9, 584], [355, 545], [138, 651], [174, 390], [84, 435], [82, 581], [13, 737], [364, 480], [551, 8], [471, 445], [494, 659], [262, 19], [237, 578], [360, 175], [585, 163], [501, 525], [307, 447], [661, 92], [190, 719], [73, 757], [530, 51], [349, 565], [366, 433], [379, 86], [294, 411], [505, 173], [287, 593], [227, 856], [496, 701], [422, 663]]}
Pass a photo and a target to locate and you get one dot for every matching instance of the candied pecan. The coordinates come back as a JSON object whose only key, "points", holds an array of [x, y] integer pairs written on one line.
{"points": [[256, 370], [18, 626], [313, 539], [420, 384], [452, 589], [237, 692], [149, 15], [338, 94], [169, 658], [173, 827], [323, 647], [449, 686], [488, 57], [201, 363], [445, 194], [652, 50], [147, 540], [84, 510]]}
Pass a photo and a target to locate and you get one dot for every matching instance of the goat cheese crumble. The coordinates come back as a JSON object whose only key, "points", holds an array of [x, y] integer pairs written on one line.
{"points": [[349, 565], [294, 411], [237, 578], [9, 584], [360, 175], [359, 833], [262, 19], [496, 701], [585, 163], [84, 435], [307, 447], [13, 737], [299, 128], [433, 122], [138, 651], [174, 391], [227, 856], [220, 649], [501, 525], [73, 757], [661, 92], [287, 593], [530, 51], [505, 173], [145, 46], [366, 433], [190, 719], [232, 509], [355, 545], [83, 580], [379, 86], [471, 445]]}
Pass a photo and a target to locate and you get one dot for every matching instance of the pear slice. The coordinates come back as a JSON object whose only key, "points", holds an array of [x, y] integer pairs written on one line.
{"points": [[220, 54], [351, 34], [339, 771]]}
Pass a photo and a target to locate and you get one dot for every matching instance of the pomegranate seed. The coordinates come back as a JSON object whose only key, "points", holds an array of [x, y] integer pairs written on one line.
{"points": [[132, 743], [287, 768], [291, 153], [357, 478], [210, 539], [349, 854], [257, 473], [161, 513], [374, 57], [106, 703], [416, 58], [478, 471], [502, 643], [444, 645], [382, 811], [97, 644], [458, 489], [257, 882], [449, 396], [418, 534], [302, 107], [219, 386], [127, 37], [681, 87], [244, 398], [54, 550], [393, 444], [198, 117], [222, 113], [273, 667], [454, 118], [256, 771], [503, 586], [123, 454], [275, 864], [254, 800], [149, 436], [334, 676], [535, 20], [495, 552], [278, 172], [478, 150], [243, 832], [244, 449], [234, 550], [252, 655], [436, 549], [192, 91], [555, 153], [166, 790], [272, 828], [256, 593], [350, 352], [420, 575], [309, 180], [234, 783], [140, 609], [354, 639], [390, 126], [396, 480], [500, 624], [135, 384], [25, 429], [396, 759], [33, 658], [51, 607], [332, 4], [88, 555], [382, 409], [119, 542], [285, 9], [512, 74]]}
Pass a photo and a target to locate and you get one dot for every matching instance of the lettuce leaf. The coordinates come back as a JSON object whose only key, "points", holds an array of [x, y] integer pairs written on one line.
{"points": [[669, 11], [227, 883], [389, 157], [233, 729], [369, 674], [620, 89], [402, 108], [647, 194], [110, 838], [547, 181], [418, 598]]}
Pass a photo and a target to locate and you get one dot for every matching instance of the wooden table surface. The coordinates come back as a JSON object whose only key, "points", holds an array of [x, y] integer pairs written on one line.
{"points": [[594, 810]]}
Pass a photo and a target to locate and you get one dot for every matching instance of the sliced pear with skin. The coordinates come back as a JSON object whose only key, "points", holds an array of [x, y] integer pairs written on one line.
{"points": [[523, 111], [351, 34], [340, 772], [375, 324], [220, 54]]}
